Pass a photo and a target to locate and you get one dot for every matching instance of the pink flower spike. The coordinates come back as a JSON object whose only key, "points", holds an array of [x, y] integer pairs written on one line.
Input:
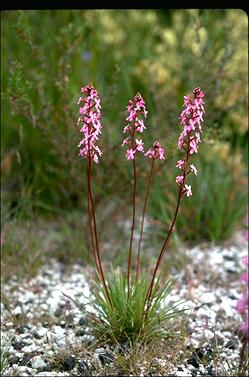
{"points": [[135, 109], [193, 169], [191, 119], [179, 180], [180, 164], [188, 190], [90, 116]]}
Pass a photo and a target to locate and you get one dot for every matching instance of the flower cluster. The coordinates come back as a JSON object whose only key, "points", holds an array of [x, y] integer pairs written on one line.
{"points": [[191, 119], [242, 303], [136, 110], [156, 151], [190, 137], [89, 117]]}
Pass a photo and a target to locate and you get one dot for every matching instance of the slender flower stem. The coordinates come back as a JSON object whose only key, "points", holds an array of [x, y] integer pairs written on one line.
{"points": [[143, 216], [135, 109], [90, 218], [88, 171], [171, 229], [98, 264], [133, 223], [165, 244]]}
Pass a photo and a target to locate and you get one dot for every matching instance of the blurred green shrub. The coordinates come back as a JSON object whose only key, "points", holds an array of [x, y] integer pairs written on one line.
{"points": [[219, 198], [162, 53]]}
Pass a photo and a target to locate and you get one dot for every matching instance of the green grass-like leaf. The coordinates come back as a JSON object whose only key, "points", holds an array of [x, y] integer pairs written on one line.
{"points": [[129, 320]]}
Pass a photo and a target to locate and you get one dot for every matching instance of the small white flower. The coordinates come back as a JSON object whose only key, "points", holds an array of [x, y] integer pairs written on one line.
{"points": [[193, 169], [188, 190]]}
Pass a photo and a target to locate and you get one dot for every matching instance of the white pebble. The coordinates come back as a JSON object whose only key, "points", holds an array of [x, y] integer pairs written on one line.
{"points": [[30, 348], [41, 331], [27, 297], [17, 310], [207, 297], [38, 363], [208, 334]]}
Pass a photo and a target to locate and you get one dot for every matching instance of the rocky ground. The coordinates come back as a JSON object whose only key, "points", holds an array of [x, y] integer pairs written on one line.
{"points": [[44, 333]]}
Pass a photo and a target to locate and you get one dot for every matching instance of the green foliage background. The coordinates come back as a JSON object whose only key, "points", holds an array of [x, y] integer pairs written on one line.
{"points": [[48, 55]]}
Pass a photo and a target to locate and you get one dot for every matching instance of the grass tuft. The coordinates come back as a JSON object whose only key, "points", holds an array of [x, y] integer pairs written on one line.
{"points": [[130, 320]]}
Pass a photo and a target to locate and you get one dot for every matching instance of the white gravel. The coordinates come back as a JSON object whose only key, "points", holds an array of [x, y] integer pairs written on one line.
{"points": [[210, 284]]}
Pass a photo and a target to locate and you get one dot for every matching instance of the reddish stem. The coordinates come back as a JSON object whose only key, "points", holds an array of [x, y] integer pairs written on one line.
{"points": [[96, 236], [132, 225], [93, 231], [88, 171], [143, 216], [90, 218], [165, 244], [166, 241]]}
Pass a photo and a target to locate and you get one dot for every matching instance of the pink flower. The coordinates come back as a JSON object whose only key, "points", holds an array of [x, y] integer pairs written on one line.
{"points": [[180, 142], [193, 169], [180, 180], [89, 117], [140, 125], [191, 119], [193, 146], [125, 142], [180, 164], [156, 151], [130, 154], [244, 277], [139, 145], [245, 260], [197, 137], [140, 104], [188, 190], [136, 109], [242, 303], [190, 137], [131, 116]]}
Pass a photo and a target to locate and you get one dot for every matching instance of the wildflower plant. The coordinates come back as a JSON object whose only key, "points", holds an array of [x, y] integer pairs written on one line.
{"points": [[133, 306]]}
